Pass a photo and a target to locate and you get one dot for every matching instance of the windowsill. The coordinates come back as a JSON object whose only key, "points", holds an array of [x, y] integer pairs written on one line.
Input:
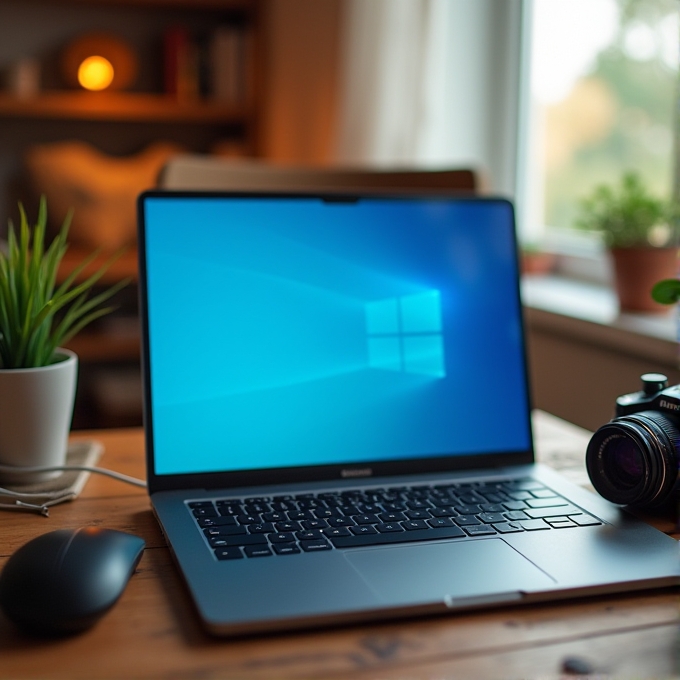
{"points": [[589, 313]]}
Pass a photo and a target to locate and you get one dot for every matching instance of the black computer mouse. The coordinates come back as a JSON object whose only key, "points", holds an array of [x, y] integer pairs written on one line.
{"points": [[64, 581]]}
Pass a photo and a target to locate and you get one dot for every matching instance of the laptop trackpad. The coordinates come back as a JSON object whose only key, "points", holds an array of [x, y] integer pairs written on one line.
{"points": [[482, 570]]}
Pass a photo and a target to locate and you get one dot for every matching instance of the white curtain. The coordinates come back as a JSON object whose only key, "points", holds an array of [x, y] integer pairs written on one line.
{"points": [[432, 83]]}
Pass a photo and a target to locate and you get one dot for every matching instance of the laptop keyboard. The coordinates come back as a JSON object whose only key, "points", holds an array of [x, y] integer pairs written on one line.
{"points": [[235, 528]]}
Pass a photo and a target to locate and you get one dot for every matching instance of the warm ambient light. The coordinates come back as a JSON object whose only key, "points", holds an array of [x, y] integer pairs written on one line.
{"points": [[95, 73]]}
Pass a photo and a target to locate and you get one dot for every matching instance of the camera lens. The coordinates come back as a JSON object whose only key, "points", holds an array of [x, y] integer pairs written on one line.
{"points": [[633, 460], [624, 462]]}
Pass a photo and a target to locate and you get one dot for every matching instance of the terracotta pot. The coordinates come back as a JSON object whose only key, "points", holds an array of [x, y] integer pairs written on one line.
{"points": [[538, 263], [36, 409], [636, 270]]}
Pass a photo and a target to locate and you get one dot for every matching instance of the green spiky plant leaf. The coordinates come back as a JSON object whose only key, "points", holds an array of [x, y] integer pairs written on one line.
{"points": [[38, 314]]}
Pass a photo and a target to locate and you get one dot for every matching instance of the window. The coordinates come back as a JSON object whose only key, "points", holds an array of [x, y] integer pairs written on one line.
{"points": [[603, 83], [405, 334]]}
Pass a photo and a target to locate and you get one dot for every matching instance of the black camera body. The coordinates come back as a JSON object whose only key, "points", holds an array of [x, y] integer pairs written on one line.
{"points": [[634, 458]]}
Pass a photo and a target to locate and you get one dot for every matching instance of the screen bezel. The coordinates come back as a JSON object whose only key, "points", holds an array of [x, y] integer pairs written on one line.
{"points": [[286, 475]]}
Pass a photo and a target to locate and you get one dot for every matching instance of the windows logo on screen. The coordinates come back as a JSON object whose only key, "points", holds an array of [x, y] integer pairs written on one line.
{"points": [[405, 334]]}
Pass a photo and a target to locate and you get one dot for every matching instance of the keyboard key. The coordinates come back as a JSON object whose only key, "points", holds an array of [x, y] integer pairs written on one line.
{"points": [[519, 495], [229, 508], [491, 517], [546, 502], [391, 516], [341, 522], [363, 530], [225, 531], [349, 510], [283, 506], [585, 520], [369, 508], [495, 497], [467, 509], [300, 514], [533, 524], [249, 519], [507, 527], [536, 513], [314, 524], [256, 508], [317, 545], [216, 521], [228, 553], [310, 503], [264, 528], [466, 520], [396, 537], [283, 537], [309, 535], [480, 530], [437, 522], [229, 541], [396, 507], [366, 519], [562, 525], [514, 505], [516, 515], [286, 548], [388, 527], [491, 507], [275, 516], [200, 504], [418, 514], [257, 551], [288, 526], [205, 511], [415, 524], [441, 511], [544, 493], [419, 504], [336, 531]]}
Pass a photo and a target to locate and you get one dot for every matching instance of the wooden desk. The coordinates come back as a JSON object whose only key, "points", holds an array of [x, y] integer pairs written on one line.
{"points": [[153, 633]]}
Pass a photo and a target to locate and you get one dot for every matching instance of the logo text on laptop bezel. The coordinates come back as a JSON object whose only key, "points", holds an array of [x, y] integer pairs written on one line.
{"points": [[356, 472]]}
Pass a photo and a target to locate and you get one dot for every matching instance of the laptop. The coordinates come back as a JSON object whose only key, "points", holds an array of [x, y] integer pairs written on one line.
{"points": [[337, 415]]}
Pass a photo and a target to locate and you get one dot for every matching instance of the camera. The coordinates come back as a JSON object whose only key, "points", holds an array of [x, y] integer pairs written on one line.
{"points": [[633, 459]]}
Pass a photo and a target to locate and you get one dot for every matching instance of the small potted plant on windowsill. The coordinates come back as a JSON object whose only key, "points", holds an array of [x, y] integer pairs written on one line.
{"points": [[641, 233], [536, 260], [38, 315]]}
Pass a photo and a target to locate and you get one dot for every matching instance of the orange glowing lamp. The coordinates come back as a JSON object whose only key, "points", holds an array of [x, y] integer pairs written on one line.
{"points": [[99, 61], [95, 73]]}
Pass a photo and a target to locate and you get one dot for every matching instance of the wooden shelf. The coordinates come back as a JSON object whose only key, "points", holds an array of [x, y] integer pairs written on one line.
{"points": [[191, 4], [104, 346], [117, 106]]}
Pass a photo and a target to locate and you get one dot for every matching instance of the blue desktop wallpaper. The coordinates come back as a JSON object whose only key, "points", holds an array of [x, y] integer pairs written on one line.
{"points": [[288, 332]]}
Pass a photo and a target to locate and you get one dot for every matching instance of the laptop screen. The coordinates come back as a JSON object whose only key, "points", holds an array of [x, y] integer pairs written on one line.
{"points": [[297, 331]]}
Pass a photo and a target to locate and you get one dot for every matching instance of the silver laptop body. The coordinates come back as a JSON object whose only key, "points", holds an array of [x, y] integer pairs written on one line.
{"points": [[338, 418]]}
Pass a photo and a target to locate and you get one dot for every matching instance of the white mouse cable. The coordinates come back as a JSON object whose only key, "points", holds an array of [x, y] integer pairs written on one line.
{"points": [[20, 504], [76, 468]]}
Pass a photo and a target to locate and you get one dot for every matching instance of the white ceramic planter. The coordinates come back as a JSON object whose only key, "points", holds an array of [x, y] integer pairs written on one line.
{"points": [[36, 409]]}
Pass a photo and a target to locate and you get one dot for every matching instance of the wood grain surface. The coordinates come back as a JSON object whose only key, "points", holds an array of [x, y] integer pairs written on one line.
{"points": [[153, 631]]}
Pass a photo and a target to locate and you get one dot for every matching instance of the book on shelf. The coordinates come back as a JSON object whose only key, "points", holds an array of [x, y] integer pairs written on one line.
{"points": [[210, 66]]}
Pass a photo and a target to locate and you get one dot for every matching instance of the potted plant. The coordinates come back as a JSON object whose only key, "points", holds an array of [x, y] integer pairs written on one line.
{"points": [[535, 260], [641, 233], [38, 315]]}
